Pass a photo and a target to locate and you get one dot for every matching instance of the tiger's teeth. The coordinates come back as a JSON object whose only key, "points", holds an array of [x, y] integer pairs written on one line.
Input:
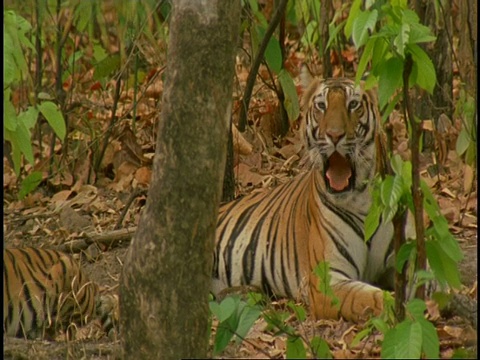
{"points": [[338, 172]]}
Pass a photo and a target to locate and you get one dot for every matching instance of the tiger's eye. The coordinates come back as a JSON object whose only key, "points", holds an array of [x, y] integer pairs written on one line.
{"points": [[320, 105], [352, 105]]}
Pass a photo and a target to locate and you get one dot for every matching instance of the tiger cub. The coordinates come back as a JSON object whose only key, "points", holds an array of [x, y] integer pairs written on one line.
{"points": [[44, 291], [273, 240]]}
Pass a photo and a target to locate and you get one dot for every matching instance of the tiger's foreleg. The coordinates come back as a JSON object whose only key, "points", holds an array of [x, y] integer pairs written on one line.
{"points": [[353, 300]]}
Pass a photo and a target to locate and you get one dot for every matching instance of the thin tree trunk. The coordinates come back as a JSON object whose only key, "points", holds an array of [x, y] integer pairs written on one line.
{"points": [[467, 45], [228, 191], [326, 15], [441, 101], [167, 271]]}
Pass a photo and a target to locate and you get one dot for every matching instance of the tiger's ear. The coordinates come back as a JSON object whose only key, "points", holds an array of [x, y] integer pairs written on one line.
{"points": [[306, 77], [309, 84]]}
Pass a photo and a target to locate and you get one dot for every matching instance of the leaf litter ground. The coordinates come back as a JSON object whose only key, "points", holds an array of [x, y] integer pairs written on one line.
{"points": [[69, 213]]}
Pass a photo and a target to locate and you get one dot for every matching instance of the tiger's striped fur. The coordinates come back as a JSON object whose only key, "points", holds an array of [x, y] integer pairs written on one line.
{"points": [[44, 290], [273, 240]]}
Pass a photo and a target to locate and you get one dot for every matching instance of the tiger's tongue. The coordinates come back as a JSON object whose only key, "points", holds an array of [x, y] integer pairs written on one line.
{"points": [[338, 172]]}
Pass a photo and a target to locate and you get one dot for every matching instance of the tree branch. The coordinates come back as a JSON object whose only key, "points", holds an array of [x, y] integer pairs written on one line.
{"points": [[416, 189], [242, 122]]}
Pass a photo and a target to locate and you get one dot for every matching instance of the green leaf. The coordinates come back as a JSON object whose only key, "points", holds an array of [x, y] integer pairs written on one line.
{"points": [[390, 79], [423, 71], [333, 32], [310, 35], [440, 230], [291, 97], [372, 221], [403, 342], [417, 308], [29, 117], [29, 184], [54, 117], [420, 34], [407, 174], [409, 17], [463, 141], [380, 325], [258, 13], [273, 53], [401, 40], [105, 67], [391, 191], [83, 15], [371, 81], [398, 188], [430, 341], [445, 269], [23, 141], [15, 28], [9, 66], [381, 52], [389, 345], [322, 270], [386, 189], [320, 348], [363, 23], [9, 114], [397, 164], [247, 318], [295, 348], [298, 310], [404, 254], [224, 335], [391, 106], [364, 60], [352, 15], [225, 309], [360, 336], [99, 53], [446, 240]]}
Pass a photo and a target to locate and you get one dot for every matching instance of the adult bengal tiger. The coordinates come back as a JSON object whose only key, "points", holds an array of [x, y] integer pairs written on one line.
{"points": [[273, 240], [43, 291]]}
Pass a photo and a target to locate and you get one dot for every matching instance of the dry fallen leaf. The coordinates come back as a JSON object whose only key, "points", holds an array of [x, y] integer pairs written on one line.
{"points": [[143, 176]]}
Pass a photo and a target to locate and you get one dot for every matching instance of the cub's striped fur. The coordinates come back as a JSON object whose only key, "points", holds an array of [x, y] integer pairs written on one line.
{"points": [[273, 240], [43, 291]]}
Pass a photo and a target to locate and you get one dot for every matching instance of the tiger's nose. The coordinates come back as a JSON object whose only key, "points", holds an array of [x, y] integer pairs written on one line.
{"points": [[335, 135]]}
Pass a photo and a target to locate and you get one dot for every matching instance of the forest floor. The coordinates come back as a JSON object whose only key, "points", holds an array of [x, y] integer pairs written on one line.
{"points": [[81, 212], [68, 218]]}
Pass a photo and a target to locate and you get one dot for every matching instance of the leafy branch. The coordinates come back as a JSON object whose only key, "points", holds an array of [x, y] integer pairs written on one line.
{"points": [[397, 63], [279, 11]]}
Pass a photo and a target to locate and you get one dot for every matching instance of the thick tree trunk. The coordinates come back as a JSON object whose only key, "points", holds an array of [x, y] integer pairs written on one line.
{"points": [[167, 271]]}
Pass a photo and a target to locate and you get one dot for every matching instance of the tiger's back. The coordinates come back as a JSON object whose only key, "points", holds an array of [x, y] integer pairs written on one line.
{"points": [[274, 240], [44, 290]]}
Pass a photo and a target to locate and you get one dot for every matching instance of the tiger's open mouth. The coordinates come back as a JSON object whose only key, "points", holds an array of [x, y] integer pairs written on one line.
{"points": [[339, 173]]}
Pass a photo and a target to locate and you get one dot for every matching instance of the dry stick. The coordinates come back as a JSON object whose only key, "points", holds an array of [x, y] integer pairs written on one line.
{"points": [[242, 122], [137, 192], [108, 239], [416, 189]]}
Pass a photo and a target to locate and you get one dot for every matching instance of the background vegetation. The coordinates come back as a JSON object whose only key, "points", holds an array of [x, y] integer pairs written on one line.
{"points": [[82, 89]]}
